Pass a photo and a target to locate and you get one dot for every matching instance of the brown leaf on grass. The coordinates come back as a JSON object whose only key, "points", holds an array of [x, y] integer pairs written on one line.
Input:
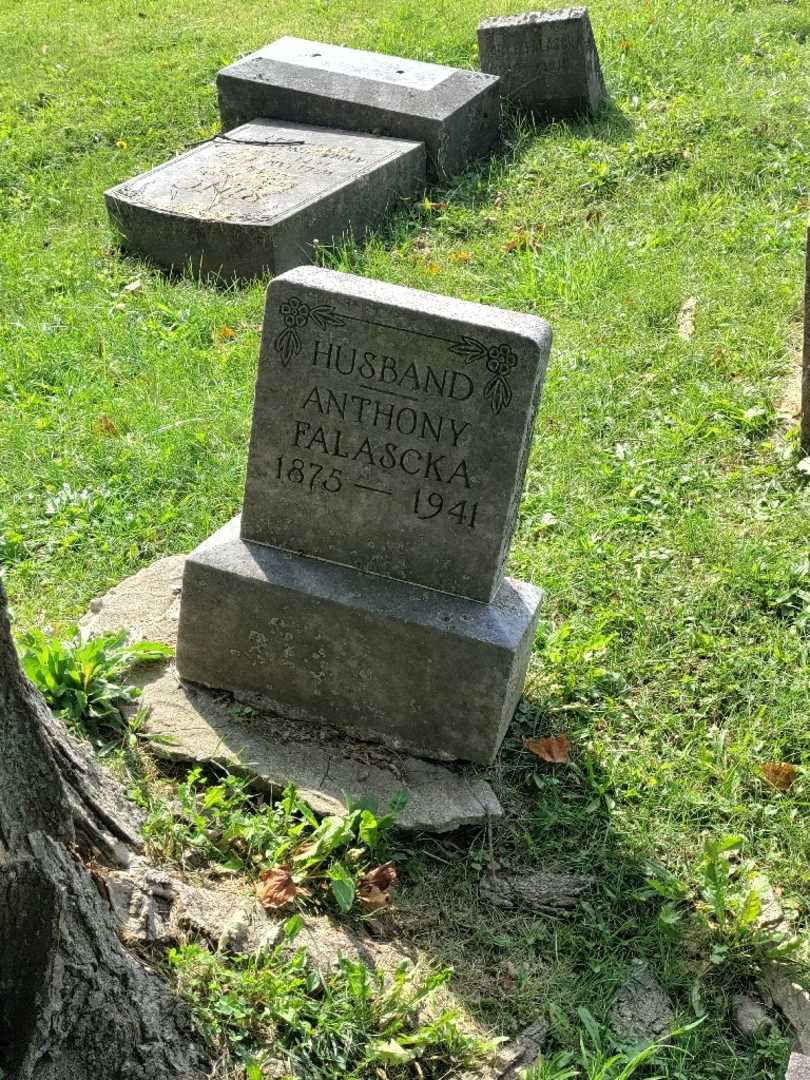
{"points": [[374, 888], [556, 749], [105, 426], [224, 333], [461, 256], [780, 774], [276, 888], [686, 319]]}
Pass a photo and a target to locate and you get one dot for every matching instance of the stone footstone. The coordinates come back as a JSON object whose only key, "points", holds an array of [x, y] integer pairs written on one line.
{"points": [[391, 429], [257, 200], [193, 725], [327, 644], [453, 112], [547, 61]]}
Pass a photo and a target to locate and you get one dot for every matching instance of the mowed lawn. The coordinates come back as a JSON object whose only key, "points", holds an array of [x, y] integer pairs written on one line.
{"points": [[664, 513]]}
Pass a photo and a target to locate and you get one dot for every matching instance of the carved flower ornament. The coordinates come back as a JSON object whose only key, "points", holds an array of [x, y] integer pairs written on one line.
{"points": [[295, 315], [499, 359]]}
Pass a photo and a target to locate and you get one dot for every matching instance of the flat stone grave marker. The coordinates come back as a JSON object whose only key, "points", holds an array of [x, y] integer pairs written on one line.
{"points": [[258, 199], [435, 663], [391, 429], [547, 61], [453, 111]]}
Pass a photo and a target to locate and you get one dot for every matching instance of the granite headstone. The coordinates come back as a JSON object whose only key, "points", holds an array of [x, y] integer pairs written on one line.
{"points": [[391, 429], [547, 61], [429, 650], [453, 112], [257, 199]]}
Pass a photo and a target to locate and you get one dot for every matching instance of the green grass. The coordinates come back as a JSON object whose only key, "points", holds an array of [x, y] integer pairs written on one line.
{"points": [[663, 514]]}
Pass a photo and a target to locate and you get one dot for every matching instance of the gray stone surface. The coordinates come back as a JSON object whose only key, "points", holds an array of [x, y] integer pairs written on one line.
{"points": [[192, 724], [547, 61], [146, 604], [329, 644], [798, 1067], [391, 429], [257, 199], [454, 112]]}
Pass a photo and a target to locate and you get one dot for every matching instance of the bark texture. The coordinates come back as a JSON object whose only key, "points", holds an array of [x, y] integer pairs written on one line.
{"points": [[73, 1002]]}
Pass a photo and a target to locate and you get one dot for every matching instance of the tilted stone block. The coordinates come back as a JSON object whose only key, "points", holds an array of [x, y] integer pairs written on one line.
{"points": [[257, 199], [454, 112], [547, 61]]}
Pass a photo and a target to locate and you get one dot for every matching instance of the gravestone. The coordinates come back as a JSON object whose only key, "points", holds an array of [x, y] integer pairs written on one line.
{"points": [[257, 200], [805, 422], [364, 586], [391, 429], [453, 112], [547, 61]]}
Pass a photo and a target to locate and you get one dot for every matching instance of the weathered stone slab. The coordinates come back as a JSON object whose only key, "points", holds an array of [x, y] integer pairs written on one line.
{"points": [[207, 727], [391, 429], [547, 61], [257, 199], [454, 112], [328, 644], [147, 604]]}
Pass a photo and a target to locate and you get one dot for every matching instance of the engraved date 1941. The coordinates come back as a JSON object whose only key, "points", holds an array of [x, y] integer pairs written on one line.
{"points": [[310, 473], [427, 505]]}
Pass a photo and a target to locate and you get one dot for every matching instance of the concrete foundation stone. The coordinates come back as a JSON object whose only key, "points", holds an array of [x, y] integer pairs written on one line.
{"points": [[435, 673]]}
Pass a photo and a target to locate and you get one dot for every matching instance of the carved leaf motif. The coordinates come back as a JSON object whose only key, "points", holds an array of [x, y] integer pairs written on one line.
{"points": [[470, 349], [324, 316], [288, 345], [498, 393]]}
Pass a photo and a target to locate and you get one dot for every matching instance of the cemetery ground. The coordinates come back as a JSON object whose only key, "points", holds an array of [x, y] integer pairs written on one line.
{"points": [[664, 512]]}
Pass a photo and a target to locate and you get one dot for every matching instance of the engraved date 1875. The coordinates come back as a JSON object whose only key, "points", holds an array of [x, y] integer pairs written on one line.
{"points": [[427, 505], [310, 473]]}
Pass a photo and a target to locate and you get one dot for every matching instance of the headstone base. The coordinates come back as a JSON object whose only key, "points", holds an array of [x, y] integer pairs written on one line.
{"points": [[327, 644]]}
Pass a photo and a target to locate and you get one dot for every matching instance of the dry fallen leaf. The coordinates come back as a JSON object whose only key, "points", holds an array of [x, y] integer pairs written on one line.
{"points": [[556, 749], [224, 333], [781, 774], [461, 256], [686, 319], [105, 426], [374, 888], [276, 888], [133, 286]]}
